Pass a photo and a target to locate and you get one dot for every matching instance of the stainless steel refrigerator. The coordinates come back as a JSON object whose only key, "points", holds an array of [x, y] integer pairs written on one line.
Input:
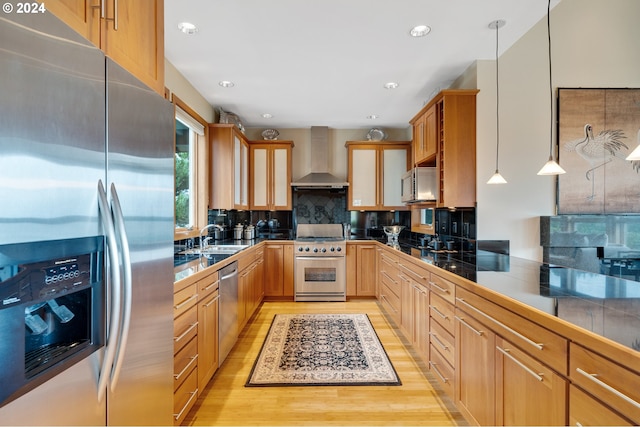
{"points": [[73, 122]]}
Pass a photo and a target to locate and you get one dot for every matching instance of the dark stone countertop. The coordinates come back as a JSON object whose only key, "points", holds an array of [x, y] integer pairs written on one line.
{"points": [[606, 305]]}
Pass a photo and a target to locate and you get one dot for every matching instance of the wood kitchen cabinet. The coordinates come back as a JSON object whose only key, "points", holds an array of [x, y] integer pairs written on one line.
{"points": [[445, 136], [585, 410], [208, 307], [250, 284], [375, 174], [425, 137], [527, 392], [229, 167], [278, 271], [389, 288], [270, 175], [475, 370], [131, 32], [362, 274], [610, 383], [185, 348]]}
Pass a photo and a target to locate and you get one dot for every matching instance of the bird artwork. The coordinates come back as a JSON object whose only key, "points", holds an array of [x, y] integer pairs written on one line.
{"points": [[599, 150]]}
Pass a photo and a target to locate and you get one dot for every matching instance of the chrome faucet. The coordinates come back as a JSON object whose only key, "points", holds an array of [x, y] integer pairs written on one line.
{"points": [[205, 242]]}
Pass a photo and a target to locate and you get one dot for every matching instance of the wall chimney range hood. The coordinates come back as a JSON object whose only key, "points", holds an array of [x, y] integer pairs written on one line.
{"points": [[320, 178]]}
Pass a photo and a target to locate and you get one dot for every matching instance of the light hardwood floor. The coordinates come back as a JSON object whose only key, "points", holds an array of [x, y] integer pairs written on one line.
{"points": [[225, 401]]}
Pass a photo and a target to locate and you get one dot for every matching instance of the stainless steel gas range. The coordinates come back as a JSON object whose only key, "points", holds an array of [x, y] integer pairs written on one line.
{"points": [[320, 263]]}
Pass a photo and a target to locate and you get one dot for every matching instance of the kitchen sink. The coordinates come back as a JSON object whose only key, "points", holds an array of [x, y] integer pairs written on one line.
{"points": [[215, 250]]}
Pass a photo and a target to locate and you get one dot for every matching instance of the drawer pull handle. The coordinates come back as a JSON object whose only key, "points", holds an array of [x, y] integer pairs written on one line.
{"points": [[185, 333], [207, 305], [506, 352], [389, 277], [438, 341], [413, 273], [438, 312], [216, 283], [539, 346], [440, 288], [475, 331], [186, 368], [193, 394], [435, 369], [606, 386], [185, 302]]}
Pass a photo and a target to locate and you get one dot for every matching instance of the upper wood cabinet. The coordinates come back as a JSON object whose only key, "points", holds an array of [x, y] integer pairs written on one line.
{"points": [[229, 168], [131, 32], [375, 174], [445, 136], [425, 137], [270, 175]]}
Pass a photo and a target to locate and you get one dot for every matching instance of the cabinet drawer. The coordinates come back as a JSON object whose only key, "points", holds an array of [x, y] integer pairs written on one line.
{"points": [[390, 301], [388, 271], [417, 273], [185, 327], [584, 410], [185, 397], [184, 299], [539, 342], [184, 362], [207, 285], [442, 371], [443, 288], [442, 312], [615, 385], [442, 341]]}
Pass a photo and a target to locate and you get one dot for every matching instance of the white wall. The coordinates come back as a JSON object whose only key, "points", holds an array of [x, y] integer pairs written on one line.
{"points": [[180, 86], [594, 44]]}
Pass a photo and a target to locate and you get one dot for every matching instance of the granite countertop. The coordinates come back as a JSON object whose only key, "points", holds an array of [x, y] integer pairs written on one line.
{"points": [[606, 305]]}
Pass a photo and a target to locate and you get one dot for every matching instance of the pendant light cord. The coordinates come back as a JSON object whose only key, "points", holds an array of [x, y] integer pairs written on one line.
{"points": [[497, 99], [550, 83]]}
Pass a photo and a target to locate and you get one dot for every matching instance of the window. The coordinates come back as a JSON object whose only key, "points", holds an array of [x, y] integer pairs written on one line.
{"points": [[190, 162]]}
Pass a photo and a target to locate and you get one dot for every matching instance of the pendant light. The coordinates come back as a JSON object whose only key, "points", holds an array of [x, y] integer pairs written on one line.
{"points": [[551, 167], [496, 178], [635, 154]]}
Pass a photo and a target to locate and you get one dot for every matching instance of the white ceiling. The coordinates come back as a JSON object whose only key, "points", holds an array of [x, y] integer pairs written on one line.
{"points": [[324, 62]]}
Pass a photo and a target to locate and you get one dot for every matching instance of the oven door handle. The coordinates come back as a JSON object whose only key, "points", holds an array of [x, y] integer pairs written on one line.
{"points": [[114, 297], [319, 258], [127, 288]]}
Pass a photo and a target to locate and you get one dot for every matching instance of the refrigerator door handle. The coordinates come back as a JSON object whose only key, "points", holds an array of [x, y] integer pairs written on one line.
{"points": [[128, 284], [116, 294]]}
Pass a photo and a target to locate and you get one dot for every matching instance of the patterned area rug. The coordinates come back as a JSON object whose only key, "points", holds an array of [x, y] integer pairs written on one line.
{"points": [[322, 349]]}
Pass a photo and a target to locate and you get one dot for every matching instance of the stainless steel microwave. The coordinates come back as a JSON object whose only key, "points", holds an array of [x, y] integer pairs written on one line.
{"points": [[420, 185]]}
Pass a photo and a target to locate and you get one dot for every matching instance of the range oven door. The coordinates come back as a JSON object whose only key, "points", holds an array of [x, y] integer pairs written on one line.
{"points": [[320, 279]]}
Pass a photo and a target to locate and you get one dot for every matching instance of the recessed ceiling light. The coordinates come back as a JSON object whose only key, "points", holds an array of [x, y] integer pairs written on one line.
{"points": [[267, 116], [391, 85], [187, 28], [372, 116], [226, 83], [420, 31]]}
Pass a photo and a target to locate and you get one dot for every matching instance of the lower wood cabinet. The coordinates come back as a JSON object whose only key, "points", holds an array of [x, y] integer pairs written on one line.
{"points": [[362, 272], [208, 309], [185, 348], [606, 381], [475, 370], [584, 410], [527, 392], [278, 270]]}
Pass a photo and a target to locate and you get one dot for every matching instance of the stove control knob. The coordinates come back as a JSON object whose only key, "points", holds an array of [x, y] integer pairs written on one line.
{"points": [[324, 249], [339, 249], [306, 249], [332, 249], [300, 249], [315, 250]]}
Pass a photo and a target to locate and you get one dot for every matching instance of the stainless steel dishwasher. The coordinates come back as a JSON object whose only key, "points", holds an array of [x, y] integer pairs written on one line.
{"points": [[228, 317]]}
